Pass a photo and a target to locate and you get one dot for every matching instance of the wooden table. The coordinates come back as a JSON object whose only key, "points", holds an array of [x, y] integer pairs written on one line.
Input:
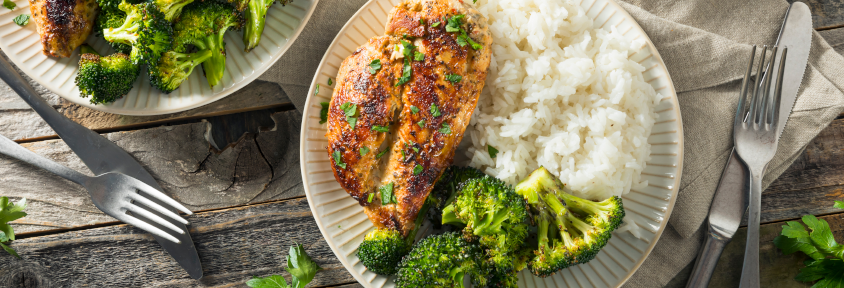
{"points": [[235, 163]]}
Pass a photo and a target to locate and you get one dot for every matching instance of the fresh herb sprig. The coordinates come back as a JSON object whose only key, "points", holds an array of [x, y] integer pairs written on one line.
{"points": [[300, 266], [455, 24], [9, 212], [827, 263]]}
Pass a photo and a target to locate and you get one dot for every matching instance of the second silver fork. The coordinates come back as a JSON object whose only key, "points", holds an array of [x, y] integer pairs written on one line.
{"points": [[755, 136]]}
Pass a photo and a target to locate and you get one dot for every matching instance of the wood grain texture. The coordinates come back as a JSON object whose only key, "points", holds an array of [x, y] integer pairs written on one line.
{"points": [[233, 244], [257, 167], [835, 38], [826, 14]]}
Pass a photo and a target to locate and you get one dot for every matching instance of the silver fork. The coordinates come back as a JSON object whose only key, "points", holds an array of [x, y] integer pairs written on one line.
{"points": [[755, 136], [113, 193]]}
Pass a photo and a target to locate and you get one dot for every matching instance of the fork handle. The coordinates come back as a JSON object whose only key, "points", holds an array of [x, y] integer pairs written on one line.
{"points": [[12, 149], [750, 270]]}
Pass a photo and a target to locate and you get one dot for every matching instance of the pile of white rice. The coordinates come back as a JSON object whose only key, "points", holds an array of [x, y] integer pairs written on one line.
{"points": [[563, 95]]}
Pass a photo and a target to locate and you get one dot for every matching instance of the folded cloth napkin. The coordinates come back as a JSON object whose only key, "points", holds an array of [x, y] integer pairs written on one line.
{"points": [[706, 46]]}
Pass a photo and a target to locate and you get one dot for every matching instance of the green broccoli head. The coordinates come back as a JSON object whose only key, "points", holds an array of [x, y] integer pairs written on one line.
{"points": [[171, 8], [501, 279], [446, 188], [442, 261], [105, 79], [493, 212], [203, 25], [382, 250], [570, 230], [145, 29], [174, 68], [112, 18], [255, 16]]}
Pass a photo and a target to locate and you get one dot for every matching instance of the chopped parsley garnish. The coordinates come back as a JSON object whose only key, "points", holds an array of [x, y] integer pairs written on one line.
{"points": [[418, 56], [364, 150], [454, 23], [435, 111], [338, 159], [415, 149], [387, 195], [323, 113], [414, 109], [374, 66], [453, 78], [417, 169], [492, 151], [446, 129], [350, 109], [329, 82], [380, 128], [21, 20], [406, 69], [402, 154], [11, 6], [370, 197], [421, 123], [378, 156], [436, 24], [421, 21]]}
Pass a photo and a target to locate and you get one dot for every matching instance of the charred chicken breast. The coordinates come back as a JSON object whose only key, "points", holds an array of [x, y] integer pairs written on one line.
{"points": [[63, 24], [402, 103]]}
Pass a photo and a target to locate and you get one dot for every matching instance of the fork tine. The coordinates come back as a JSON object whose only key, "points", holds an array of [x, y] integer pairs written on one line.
{"points": [[152, 217], [741, 109], [159, 208], [149, 190], [754, 105], [778, 89], [766, 101], [128, 219]]}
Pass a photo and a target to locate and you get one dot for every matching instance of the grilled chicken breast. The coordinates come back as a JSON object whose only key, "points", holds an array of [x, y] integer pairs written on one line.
{"points": [[63, 24], [423, 117]]}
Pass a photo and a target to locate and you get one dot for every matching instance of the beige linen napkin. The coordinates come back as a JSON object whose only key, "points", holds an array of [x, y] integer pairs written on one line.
{"points": [[705, 44]]}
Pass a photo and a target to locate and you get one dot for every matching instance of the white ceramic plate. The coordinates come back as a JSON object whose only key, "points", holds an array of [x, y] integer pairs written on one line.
{"points": [[23, 46], [343, 222]]}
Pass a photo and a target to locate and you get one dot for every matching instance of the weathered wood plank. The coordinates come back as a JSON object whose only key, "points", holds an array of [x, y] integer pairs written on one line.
{"points": [[825, 13], [233, 245], [258, 167], [835, 38], [20, 122]]}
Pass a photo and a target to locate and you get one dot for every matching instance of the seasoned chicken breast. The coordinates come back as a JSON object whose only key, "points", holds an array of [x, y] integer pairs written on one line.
{"points": [[402, 103], [63, 24]]}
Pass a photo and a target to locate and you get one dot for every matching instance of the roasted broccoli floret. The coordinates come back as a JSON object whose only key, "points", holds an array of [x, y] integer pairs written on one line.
{"points": [[145, 29], [112, 18], [442, 261], [446, 188], [174, 68], [501, 279], [171, 8], [383, 248], [570, 230], [255, 16], [105, 79], [203, 25]]}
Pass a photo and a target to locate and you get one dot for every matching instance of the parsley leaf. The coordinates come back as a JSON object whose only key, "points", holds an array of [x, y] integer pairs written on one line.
{"points": [[436, 24], [378, 156], [300, 266], [453, 78], [408, 49], [21, 20], [374, 66], [415, 149], [421, 21], [405, 74], [839, 204], [9, 212], [454, 23], [820, 245], [364, 150], [370, 197], [316, 91], [10, 5], [338, 159], [492, 151], [380, 128], [387, 195], [418, 56], [417, 169], [323, 113], [435, 111], [274, 281], [402, 153], [446, 129], [350, 109], [421, 123], [415, 110]]}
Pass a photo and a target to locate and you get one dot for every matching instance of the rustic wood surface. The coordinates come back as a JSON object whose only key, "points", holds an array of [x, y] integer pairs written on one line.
{"points": [[236, 162]]}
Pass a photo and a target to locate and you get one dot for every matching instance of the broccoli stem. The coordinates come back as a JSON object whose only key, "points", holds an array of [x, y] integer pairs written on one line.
{"points": [[449, 217], [255, 15], [87, 49], [585, 206], [190, 61], [490, 224], [216, 65], [126, 34], [542, 229]]}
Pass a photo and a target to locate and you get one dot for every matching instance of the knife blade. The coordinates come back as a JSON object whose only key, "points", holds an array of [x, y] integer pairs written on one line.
{"points": [[102, 156], [731, 195]]}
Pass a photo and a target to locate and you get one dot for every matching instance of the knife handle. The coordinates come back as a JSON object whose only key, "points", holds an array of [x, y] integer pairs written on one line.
{"points": [[707, 260]]}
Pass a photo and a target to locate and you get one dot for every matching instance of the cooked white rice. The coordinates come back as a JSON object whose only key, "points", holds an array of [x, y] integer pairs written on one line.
{"points": [[563, 95]]}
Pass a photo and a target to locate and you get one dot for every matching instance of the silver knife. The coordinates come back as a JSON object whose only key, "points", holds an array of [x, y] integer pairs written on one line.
{"points": [[102, 156], [731, 196]]}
